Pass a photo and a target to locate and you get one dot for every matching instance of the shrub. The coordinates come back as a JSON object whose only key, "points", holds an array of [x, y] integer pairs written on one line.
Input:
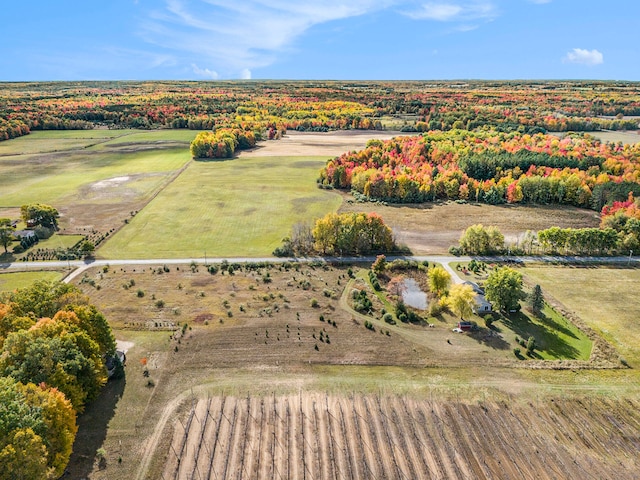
{"points": [[314, 303], [531, 345], [160, 303], [140, 293], [388, 318], [516, 352]]}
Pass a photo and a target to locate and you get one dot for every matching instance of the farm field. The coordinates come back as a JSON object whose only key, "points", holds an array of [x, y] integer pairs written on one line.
{"points": [[265, 349], [432, 228], [241, 207], [49, 141], [605, 298], [624, 137], [91, 190], [377, 436]]}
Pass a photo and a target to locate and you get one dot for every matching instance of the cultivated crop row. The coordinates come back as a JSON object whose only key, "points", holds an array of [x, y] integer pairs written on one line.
{"points": [[312, 436]]}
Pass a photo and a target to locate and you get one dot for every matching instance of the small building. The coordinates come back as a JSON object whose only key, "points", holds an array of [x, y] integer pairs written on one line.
{"points": [[25, 234], [465, 326], [482, 305], [475, 286]]}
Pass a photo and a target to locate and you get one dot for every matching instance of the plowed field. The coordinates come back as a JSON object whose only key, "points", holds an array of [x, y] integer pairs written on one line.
{"points": [[318, 436]]}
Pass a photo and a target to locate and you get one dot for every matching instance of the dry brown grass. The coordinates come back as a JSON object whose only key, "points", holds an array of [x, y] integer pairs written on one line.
{"points": [[433, 228]]}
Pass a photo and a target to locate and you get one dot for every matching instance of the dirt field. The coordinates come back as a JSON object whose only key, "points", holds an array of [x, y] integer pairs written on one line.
{"points": [[370, 436], [432, 228], [331, 144]]}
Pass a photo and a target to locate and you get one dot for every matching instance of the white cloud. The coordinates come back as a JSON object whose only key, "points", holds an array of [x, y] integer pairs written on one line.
{"points": [[233, 38], [584, 57], [237, 36], [449, 11], [540, 2], [212, 74]]}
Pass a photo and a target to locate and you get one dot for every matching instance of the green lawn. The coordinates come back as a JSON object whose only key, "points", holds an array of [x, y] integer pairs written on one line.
{"points": [[57, 140], [58, 241], [11, 281], [556, 337], [605, 298], [241, 207], [26, 179], [151, 136]]}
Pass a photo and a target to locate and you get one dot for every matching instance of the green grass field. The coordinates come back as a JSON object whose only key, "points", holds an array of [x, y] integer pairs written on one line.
{"points": [[58, 140], [150, 136], [11, 281], [241, 207], [48, 180], [605, 298]]}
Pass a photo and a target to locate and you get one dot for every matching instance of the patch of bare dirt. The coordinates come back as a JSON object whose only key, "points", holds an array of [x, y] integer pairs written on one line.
{"points": [[331, 144]]}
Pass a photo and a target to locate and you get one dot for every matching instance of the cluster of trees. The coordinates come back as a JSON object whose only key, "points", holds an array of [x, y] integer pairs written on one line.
{"points": [[40, 214], [12, 129], [222, 143], [321, 105], [579, 241], [53, 346], [480, 240], [487, 166], [352, 233]]}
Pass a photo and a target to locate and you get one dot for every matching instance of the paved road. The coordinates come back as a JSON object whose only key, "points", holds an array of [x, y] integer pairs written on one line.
{"points": [[80, 266]]}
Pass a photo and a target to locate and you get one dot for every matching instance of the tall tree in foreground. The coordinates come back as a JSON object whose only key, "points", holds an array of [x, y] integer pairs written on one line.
{"points": [[504, 288]]}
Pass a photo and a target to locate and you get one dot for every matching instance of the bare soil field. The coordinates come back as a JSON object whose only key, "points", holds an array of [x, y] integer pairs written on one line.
{"points": [[314, 435], [432, 228], [331, 144]]}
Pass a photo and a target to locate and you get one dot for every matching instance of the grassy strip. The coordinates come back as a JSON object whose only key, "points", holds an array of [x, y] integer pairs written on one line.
{"points": [[13, 280]]}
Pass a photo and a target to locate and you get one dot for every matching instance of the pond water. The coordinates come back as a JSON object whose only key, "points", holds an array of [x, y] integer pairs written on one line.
{"points": [[412, 295]]}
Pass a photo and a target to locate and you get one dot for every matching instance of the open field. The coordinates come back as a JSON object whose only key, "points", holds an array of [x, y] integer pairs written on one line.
{"points": [[605, 298], [373, 436], [228, 208], [432, 228], [611, 136], [91, 190], [9, 281], [330, 144], [58, 140]]}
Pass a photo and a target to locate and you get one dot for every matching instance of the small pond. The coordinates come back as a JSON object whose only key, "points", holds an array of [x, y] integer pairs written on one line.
{"points": [[412, 295]]}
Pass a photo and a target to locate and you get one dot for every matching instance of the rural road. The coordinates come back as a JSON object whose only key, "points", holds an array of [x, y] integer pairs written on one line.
{"points": [[80, 266]]}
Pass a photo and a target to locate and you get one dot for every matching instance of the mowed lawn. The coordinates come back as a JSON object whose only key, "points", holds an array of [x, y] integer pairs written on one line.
{"points": [[49, 178], [10, 281], [605, 298], [240, 207]]}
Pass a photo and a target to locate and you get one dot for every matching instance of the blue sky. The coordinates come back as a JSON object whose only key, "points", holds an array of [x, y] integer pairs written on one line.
{"points": [[330, 39]]}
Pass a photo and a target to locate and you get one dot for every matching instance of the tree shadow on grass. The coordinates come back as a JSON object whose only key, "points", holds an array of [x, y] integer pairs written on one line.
{"points": [[546, 339], [554, 325], [92, 429], [491, 338], [6, 259]]}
